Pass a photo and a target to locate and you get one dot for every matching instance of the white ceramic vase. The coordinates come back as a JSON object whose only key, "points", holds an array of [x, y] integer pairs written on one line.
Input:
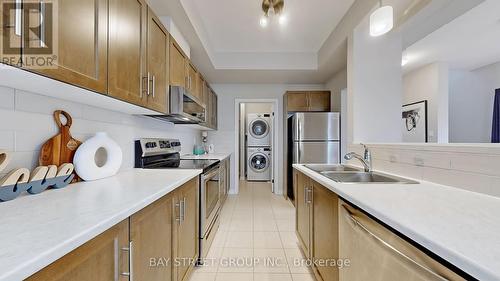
{"points": [[85, 163]]}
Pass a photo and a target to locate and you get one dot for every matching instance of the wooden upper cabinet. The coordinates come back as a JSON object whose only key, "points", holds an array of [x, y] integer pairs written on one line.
{"points": [[198, 87], [297, 101], [127, 50], [81, 44], [10, 31], [178, 75], [304, 101], [151, 237], [204, 91], [215, 110], [191, 76], [319, 101], [187, 229], [157, 64], [325, 231], [100, 259]]}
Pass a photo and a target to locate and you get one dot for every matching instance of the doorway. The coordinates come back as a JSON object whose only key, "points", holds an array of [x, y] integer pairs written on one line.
{"points": [[256, 130]]}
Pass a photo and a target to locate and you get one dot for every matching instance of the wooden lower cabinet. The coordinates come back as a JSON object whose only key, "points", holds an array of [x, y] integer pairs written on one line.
{"points": [[317, 225], [158, 243], [303, 211], [325, 245], [151, 238], [100, 259], [186, 230]]}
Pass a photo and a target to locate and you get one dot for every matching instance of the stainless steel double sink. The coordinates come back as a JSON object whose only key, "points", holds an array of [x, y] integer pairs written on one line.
{"points": [[349, 174]]}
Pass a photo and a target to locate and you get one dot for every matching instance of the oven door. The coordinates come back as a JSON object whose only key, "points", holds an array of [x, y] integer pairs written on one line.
{"points": [[210, 199]]}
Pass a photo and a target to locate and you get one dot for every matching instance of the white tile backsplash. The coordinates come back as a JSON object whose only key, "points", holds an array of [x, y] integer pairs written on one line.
{"points": [[7, 98], [471, 168], [26, 122]]}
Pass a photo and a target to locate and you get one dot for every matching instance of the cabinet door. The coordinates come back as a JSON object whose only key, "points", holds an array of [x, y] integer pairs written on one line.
{"points": [[204, 91], [208, 108], [187, 234], [157, 64], [82, 27], [214, 111], [191, 79], [100, 259], [325, 231], [319, 101], [303, 211], [177, 65], [151, 236], [297, 101], [127, 38]]}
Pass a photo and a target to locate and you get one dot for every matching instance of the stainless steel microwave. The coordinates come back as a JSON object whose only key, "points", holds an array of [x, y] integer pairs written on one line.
{"points": [[184, 108]]}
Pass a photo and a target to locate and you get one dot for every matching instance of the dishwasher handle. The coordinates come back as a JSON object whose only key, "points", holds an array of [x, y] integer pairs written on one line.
{"points": [[356, 223]]}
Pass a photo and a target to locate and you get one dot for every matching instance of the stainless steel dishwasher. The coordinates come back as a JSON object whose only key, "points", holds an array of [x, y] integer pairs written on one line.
{"points": [[375, 253]]}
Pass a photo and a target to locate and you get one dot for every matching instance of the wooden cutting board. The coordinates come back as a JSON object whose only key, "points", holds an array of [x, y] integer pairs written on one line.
{"points": [[62, 147]]}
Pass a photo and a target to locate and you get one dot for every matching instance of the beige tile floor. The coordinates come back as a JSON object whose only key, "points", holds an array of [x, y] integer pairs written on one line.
{"points": [[259, 226]]}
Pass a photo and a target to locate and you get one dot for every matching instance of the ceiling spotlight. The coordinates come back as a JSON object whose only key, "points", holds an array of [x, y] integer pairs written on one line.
{"points": [[264, 21], [282, 20], [273, 9], [381, 20]]}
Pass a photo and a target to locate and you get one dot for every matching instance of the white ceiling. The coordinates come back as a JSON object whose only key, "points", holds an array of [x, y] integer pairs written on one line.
{"points": [[230, 32], [468, 42], [227, 42]]}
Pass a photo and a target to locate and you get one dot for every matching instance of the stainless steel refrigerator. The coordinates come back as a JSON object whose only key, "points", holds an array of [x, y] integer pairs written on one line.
{"points": [[312, 138], [316, 138]]}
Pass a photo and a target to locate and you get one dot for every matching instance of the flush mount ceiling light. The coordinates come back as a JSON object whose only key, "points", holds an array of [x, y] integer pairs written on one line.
{"points": [[271, 9], [381, 20]]}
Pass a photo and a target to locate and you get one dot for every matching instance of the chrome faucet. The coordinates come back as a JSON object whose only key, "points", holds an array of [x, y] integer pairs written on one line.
{"points": [[366, 159]]}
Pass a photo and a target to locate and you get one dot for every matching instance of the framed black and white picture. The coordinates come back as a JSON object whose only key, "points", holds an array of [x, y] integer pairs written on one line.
{"points": [[414, 122]]}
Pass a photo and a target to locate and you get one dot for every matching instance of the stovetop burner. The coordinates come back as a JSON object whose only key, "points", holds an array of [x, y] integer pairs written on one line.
{"points": [[163, 154], [197, 164]]}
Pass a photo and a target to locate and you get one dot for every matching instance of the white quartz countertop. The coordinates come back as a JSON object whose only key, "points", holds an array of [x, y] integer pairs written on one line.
{"points": [[36, 230], [216, 156], [460, 226]]}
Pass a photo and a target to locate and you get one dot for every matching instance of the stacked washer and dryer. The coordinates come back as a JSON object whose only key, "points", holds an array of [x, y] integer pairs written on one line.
{"points": [[259, 147]]}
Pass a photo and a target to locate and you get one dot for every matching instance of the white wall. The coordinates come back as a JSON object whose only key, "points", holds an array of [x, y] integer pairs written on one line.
{"points": [[430, 83], [471, 103], [27, 122], [336, 84], [374, 86], [224, 138]]}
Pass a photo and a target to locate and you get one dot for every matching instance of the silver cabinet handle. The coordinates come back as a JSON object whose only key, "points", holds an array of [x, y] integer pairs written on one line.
{"points": [[385, 244], [182, 209], [42, 24], [148, 89], [179, 218], [130, 251], [309, 195], [18, 26], [153, 86]]}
